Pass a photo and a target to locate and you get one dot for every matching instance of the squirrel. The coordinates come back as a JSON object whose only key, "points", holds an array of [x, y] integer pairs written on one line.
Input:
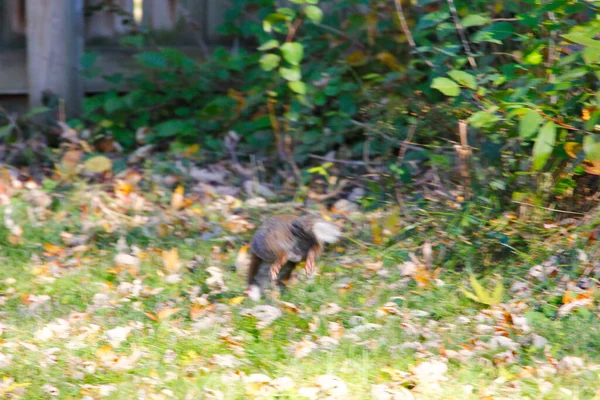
{"points": [[280, 243]]}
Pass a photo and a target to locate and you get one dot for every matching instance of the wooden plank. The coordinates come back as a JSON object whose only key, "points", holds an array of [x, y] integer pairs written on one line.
{"points": [[12, 22], [215, 15], [160, 14], [54, 47], [13, 68]]}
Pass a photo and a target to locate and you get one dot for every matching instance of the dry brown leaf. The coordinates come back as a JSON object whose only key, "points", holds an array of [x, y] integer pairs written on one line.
{"points": [[171, 261], [167, 313], [177, 201], [52, 250]]}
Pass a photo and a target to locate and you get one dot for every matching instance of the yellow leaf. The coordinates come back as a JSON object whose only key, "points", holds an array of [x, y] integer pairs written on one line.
{"points": [[167, 312], [498, 293], [171, 260], [98, 164], [592, 167], [237, 96], [193, 149], [572, 148], [52, 250], [105, 352], [568, 297], [482, 295], [177, 199], [389, 60], [357, 59], [586, 113], [469, 295], [236, 300], [372, 21], [478, 289], [376, 229], [123, 188], [391, 223]]}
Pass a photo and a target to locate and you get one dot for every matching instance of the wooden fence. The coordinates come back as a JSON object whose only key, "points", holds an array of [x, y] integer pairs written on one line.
{"points": [[41, 42]]}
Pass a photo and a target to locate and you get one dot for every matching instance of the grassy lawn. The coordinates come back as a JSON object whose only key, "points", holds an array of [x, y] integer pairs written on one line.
{"points": [[93, 307]]}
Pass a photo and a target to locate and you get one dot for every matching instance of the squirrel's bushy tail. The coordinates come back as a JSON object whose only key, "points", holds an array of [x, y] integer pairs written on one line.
{"points": [[326, 232]]}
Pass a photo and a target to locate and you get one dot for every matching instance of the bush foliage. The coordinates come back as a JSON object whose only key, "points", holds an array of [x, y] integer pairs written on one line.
{"points": [[362, 76]]}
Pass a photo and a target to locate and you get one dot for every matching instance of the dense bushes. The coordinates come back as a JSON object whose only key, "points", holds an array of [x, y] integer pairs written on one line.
{"points": [[361, 76]]}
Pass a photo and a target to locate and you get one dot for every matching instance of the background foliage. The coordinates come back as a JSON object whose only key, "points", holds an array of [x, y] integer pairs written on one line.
{"points": [[360, 77]]}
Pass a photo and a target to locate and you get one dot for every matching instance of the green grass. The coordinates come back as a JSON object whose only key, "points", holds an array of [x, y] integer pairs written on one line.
{"points": [[449, 323]]}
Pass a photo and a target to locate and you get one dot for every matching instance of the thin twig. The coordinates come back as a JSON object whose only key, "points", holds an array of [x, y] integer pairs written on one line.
{"points": [[407, 33], [326, 196], [197, 29], [552, 56], [547, 208], [366, 152], [409, 137], [276, 128], [464, 154], [343, 162], [461, 34], [342, 34], [292, 30]]}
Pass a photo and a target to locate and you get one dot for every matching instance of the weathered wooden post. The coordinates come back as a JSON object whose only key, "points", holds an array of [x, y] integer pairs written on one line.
{"points": [[54, 47]]}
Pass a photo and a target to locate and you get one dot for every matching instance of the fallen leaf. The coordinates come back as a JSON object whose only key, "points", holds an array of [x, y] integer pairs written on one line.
{"points": [[166, 313], [98, 164], [171, 261]]}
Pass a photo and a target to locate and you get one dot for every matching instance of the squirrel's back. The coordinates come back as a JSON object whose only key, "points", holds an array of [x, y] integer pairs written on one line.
{"points": [[291, 236]]}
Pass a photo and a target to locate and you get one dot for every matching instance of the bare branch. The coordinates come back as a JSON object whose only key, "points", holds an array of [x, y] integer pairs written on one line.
{"points": [[407, 33], [461, 34]]}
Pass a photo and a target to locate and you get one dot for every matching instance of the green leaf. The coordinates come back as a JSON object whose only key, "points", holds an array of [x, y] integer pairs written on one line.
{"points": [[544, 144], [290, 74], [529, 124], [170, 128], [271, 20], [136, 41], [88, 59], [475, 20], [591, 147], [114, 104], [432, 19], [298, 87], [495, 33], [292, 52], [268, 45], [314, 13], [533, 58], [289, 13], [446, 86], [464, 78], [6, 129], [483, 118], [591, 55], [151, 60], [36, 111], [269, 62], [583, 40]]}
